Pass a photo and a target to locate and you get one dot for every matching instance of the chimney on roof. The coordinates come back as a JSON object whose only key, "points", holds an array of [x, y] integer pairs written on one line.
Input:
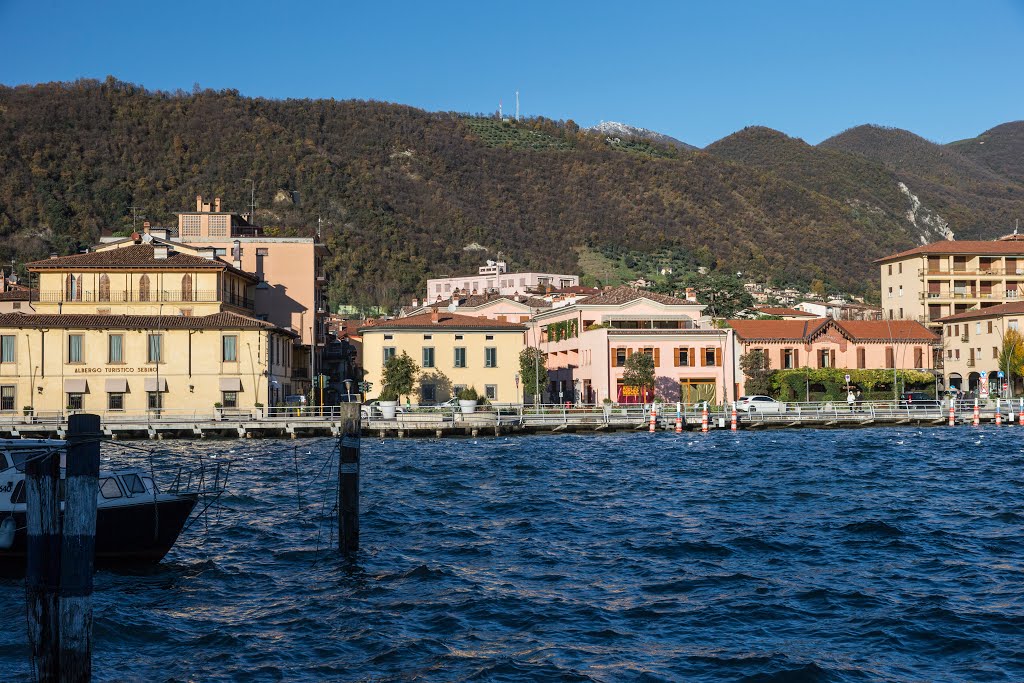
{"points": [[236, 255], [691, 294], [160, 252], [199, 202], [53, 254], [146, 225], [435, 317], [415, 302], [949, 236], [216, 204]]}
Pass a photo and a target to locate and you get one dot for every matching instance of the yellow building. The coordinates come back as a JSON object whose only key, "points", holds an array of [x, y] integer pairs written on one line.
{"points": [[140, 325], [453, 351], [111, 363]]}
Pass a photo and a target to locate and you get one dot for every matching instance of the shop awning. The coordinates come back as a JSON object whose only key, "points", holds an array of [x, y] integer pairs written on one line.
{"points": [[75, 386], [116, 385], [230, 383], [153, 385]]}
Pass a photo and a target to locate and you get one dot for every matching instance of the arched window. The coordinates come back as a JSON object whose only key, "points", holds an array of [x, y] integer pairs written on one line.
{"points": [[186, 287], [73, 288], [144, 288], [104, 287]]}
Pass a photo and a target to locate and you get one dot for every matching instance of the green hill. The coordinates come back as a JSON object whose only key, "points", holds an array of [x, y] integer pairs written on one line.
{"points": [[403, 192]]}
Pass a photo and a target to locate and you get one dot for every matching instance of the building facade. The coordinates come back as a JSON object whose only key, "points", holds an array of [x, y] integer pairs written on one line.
{"points": [[830, 343], [946, 278], [453, 352], [972, 344], [588, 343], [495, 279]]}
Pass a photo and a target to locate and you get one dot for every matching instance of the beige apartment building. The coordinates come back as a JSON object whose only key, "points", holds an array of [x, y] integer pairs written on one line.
{"points": [[947, 278], [142, 324], [453, 351], [971, 345]]}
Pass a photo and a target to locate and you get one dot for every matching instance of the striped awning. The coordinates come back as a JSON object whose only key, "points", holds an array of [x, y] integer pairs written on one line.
{"points": [[116, 385], [76, 386], [230, 383], [152, 384]]}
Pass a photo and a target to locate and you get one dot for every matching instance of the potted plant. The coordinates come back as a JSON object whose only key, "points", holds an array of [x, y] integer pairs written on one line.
{"points": [[468, 400], [259, 412], [218, 410], [388, 401]]}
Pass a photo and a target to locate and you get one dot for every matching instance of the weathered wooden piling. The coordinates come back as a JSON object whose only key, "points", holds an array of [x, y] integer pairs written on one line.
{"points": [[348, 480], [42, 577], [78, 547]]}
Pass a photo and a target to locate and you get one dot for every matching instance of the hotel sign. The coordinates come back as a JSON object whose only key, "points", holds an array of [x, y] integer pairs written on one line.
{"points": [[112, 369]]}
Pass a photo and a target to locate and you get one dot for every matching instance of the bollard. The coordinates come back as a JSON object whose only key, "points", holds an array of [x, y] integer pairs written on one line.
{"points": [[348, 481], [704, 418], [42, 577], [679, 417], [654, 416], [733, 426], [977, 414], [999, 414], [78, 547], [952, 414]]}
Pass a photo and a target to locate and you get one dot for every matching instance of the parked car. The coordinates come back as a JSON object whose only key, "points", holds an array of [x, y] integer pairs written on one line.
{"points": [[759, 404], [918, 400]]}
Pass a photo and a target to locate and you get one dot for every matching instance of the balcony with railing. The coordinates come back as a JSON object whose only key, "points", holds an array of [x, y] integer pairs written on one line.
{"points": [[153, 296]]}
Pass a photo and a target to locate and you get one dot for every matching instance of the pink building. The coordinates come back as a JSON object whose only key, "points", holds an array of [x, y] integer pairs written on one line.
{"points": [[513, 309], [587, 343], [831, 343]]}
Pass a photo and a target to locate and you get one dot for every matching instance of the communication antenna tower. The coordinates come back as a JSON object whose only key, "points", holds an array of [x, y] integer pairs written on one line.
{"points": [[135, 216], [499, 110], [517, 105]]}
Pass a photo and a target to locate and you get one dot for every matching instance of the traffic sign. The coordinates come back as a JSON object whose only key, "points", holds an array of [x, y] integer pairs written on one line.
{"points": [[847, 379], [1000, 374]]}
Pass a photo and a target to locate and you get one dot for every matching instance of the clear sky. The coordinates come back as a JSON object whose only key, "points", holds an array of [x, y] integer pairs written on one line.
{"points": [[945, 69]]}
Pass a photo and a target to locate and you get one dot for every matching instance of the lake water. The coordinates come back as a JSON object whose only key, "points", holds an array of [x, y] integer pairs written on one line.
{"points": [[867, 555]]}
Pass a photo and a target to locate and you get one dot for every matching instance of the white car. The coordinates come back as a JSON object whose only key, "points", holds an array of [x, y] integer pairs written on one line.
{"points": [[759, 404]]}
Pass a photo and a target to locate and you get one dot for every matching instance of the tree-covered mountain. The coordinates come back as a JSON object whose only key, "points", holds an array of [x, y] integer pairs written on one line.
{"points": [[406, 194]]}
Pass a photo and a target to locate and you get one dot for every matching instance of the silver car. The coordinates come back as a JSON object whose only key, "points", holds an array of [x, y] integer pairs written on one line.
{"points": [[759, 404]]}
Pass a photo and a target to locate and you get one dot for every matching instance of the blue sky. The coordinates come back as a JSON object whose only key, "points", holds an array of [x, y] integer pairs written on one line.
{"points": [[698, 71]]}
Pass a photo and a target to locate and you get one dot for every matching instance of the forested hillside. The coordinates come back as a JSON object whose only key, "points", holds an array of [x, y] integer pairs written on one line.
{"points": [[404, 192]]}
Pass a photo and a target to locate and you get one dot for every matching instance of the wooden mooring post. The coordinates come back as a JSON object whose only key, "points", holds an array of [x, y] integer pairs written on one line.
{"points": [[61, 550], [348, 479]]}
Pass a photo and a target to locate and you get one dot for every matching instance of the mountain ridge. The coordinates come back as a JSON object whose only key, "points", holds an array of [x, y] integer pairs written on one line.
{"points": [[403, 192]]}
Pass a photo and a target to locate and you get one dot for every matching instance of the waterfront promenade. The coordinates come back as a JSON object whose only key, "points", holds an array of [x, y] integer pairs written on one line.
{"points": [[435, 422]]}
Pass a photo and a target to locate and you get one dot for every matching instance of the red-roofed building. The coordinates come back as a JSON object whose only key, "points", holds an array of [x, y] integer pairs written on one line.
{"points": [[949, 277], [830, 343]]}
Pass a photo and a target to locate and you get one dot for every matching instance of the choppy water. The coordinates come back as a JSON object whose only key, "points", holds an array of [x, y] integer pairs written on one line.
{"points": [[882, 554]]}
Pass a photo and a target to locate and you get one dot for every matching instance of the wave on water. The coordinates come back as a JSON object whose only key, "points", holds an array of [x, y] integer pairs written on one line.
{"points": [[868, 555]]}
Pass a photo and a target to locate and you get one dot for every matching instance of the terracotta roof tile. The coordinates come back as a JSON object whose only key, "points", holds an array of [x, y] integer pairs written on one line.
{"points": [[1012, 308], [776, 329], [79, 321], [476, 300], [887, 330], [856, 330], [624, 295], [776, 310], [134, 256], [445, 320], [982, 247], [17, 295]]}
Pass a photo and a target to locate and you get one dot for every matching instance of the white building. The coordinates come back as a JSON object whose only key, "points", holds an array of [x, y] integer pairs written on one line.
{"points": [[494, 278]]}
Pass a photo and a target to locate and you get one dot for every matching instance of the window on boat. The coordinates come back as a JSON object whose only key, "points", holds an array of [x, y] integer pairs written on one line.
{"points": [[19, 493], [132, 484], [4, 463], [150, 485], [109, 488]]}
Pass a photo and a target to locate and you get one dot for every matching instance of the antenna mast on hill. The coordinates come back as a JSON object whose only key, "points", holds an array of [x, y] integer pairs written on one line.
{"points": [[517, 105], [499, 110], [135, 216]]}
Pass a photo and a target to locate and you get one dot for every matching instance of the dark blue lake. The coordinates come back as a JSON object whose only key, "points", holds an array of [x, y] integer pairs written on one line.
{"points": [[868, 555]]}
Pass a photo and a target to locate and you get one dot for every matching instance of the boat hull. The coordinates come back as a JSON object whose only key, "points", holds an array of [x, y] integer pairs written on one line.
{"points": [[141, 533]]}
